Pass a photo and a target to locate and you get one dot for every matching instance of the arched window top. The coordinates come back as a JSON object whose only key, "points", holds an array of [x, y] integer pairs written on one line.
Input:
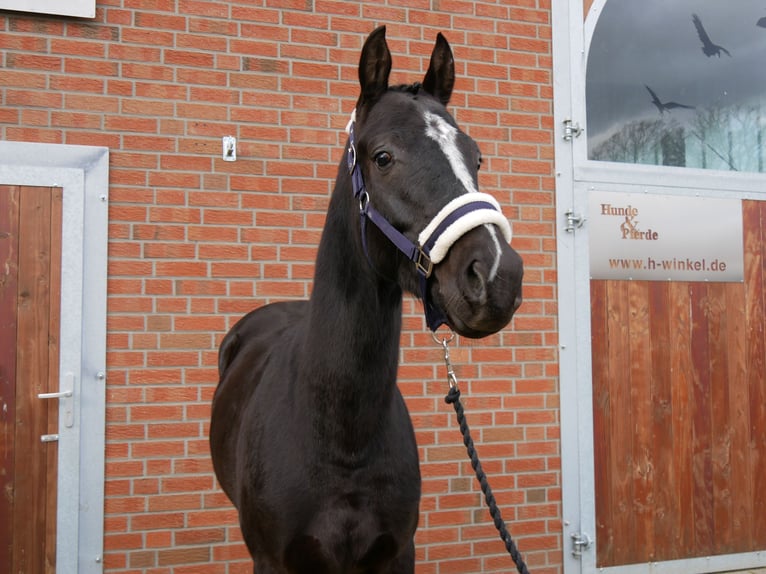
{"points": [[679, 83]]}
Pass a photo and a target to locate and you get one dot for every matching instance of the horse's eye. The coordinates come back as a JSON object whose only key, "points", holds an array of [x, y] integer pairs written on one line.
{"points": [[382, 159]]}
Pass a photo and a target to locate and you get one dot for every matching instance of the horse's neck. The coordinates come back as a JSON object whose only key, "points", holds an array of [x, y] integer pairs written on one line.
{"points": [[352, 342]]}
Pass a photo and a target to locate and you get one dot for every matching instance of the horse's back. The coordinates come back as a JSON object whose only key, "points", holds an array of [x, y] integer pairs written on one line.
{"points": [[243, 354], [258, 327]]}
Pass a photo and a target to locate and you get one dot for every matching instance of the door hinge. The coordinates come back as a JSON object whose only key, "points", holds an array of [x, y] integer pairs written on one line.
{"points": [[574, 221], [571, 130], [580, 542]]}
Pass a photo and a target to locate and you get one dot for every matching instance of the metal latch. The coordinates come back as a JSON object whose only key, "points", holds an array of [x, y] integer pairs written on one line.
{"points": [[66, 400], [574, 221], [571, 130], [580, 541]]}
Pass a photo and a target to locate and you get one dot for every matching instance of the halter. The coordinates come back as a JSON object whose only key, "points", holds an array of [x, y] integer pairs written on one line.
{"points": [[455, 219]]}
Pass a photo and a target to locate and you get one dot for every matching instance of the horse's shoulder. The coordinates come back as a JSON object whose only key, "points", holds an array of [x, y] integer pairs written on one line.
{"points": [[260, 326]]}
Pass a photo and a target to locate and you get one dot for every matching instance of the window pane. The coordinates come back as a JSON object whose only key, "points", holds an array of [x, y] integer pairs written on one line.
{"points": [[679, 83]]}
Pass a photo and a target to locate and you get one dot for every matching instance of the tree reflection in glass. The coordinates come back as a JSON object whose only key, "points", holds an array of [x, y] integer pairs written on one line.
{"points": [[678, 83]]}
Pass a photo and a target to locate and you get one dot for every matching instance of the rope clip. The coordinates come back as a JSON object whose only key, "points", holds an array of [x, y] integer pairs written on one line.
{"points": [[451, 377]]}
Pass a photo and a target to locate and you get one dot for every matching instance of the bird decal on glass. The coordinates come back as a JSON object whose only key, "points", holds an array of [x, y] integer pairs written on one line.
{"points": [[708, 47], [665, 106]]}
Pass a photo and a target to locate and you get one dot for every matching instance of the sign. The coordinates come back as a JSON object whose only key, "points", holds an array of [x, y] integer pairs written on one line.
{"points": [[79, 8], [665, 237]]}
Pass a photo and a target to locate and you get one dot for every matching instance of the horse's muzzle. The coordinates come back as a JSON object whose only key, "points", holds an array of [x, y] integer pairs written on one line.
{"points": [[478, 285]]}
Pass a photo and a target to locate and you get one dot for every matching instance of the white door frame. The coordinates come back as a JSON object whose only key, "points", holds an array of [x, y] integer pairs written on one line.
{"points": [[578, 487], [83, 174], [575, 177]]}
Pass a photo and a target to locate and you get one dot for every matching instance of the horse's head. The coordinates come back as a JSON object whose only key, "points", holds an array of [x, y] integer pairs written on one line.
{"points": [[414, 161]]}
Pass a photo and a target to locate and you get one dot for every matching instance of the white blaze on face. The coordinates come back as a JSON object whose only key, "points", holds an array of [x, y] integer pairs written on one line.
{"points": [[445, 134]]}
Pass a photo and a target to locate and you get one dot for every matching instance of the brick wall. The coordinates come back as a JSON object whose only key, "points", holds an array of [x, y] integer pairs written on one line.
{"points": [[195, 242]]}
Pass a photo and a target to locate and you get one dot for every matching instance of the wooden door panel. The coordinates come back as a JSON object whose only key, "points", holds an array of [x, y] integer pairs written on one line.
{"points": [[679, 392], [31, 249]]}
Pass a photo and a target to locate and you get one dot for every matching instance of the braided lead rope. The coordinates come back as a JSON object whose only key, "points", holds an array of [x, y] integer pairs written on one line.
{"points": [[453, 398]]}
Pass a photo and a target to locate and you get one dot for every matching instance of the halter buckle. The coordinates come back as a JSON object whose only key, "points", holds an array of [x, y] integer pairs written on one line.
{"points": [[423, 263]]}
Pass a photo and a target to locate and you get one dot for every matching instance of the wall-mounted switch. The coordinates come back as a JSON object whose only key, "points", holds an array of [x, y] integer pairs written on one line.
{"points": [[229, 148]]}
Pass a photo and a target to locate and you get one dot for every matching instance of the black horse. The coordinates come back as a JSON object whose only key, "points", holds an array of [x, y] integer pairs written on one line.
{"points": [[310, 436]]}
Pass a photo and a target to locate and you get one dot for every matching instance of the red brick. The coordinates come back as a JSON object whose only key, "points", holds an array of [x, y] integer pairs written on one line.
{"points": [[156, 521], [207, 536], [34, 62]]}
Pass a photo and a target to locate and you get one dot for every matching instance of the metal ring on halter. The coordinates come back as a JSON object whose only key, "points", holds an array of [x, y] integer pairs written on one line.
{"points": [[351, 160], [364, 201], [445, 340]]}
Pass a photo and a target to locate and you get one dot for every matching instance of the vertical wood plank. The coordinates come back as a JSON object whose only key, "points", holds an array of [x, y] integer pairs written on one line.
{"points": [[9, 243], [642, 472], [620, 431], [54, 330], [32, 364], [702, 460], [759, 434], [662, 418], [739, 414], [680, 368], [721, 428], [755, 236], [601, 424]]}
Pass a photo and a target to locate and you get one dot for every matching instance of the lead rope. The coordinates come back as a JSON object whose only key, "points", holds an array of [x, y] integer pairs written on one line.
{"points": [[453, 398]]}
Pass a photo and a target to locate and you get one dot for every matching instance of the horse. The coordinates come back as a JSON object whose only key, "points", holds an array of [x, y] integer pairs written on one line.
{"points": [[310, 437]]}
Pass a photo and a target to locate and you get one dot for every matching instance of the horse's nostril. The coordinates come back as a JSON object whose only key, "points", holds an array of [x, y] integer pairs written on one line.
{"points": [[476, 287]]}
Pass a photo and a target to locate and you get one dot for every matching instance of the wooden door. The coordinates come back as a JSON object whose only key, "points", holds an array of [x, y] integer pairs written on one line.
{"points": [[679, 393], [30, 269]]}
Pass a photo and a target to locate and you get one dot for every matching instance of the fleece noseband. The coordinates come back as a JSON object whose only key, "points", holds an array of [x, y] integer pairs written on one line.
{"points": [[455, 219]]}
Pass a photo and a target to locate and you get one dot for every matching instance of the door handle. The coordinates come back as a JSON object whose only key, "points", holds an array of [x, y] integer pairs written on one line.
{"points": [[59, 395], [66, 398]]}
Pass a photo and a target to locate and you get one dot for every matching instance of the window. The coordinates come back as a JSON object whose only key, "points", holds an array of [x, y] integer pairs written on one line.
{"points": [[679, 83]]}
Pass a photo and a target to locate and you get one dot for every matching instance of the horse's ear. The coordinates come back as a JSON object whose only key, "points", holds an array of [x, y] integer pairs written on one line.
{"points": [[374, 66], [440, 77]]}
